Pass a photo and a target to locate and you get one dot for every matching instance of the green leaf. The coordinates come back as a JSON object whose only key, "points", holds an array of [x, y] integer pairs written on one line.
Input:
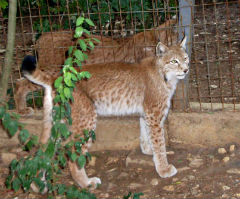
{"points": [[8, 181], [73, 157], [85, 74], [79, 55], [68, 61], [97, 40], [2, 112], [50, 149], [90, 43], [81, 161], [82, 44], [67, 92], [61, 188], [58, 82], [70, 50], [79, 21], [87, 32], [39, 183], [16, 184], [12, 127], [3, 4], [137, 195], [13, 164], [34, 139], [24, 135], [89, 21], [79, 32]]}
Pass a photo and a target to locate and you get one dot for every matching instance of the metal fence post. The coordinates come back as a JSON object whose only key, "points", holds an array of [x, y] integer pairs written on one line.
{"points": [[186, 14]]}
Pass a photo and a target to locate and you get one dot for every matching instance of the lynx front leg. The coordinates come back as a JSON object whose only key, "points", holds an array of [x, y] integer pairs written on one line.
{"points": [[84, 117], [145, 138], [155, 123]]}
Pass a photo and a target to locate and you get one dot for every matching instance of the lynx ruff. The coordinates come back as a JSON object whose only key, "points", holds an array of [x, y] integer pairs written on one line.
{"points": [[145, 88]]}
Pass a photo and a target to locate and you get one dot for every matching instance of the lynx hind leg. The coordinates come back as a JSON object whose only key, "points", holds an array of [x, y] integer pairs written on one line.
{"points": [[84, 117], [157, 140], [145, 144]]}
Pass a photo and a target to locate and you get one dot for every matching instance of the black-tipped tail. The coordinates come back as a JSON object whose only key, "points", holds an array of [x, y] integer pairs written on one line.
{"points": [[29, 64]]}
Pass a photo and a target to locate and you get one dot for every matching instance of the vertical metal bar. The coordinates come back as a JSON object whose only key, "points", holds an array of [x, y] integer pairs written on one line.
{"points": [[207, 55], [100, 24], [110, 21], [218, 54], [33, 35], [186, 13], [230, 54]]}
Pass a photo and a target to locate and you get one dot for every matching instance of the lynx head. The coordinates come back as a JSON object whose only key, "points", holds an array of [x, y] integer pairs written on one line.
{"points": [[173, 60]]}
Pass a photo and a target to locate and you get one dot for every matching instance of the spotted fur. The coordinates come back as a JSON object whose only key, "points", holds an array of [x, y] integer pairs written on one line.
{"points": [[145, 89]]}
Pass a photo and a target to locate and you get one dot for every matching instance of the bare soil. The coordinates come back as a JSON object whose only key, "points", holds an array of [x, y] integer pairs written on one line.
{"points": [[201, 174]]}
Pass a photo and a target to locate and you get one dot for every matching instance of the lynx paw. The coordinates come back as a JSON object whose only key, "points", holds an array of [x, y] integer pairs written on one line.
{"points": [[167, 172], [146, 148], [94, 182]]}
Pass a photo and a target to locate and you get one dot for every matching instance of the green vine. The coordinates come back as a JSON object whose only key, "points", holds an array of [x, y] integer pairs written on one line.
{"points": [[48, 160]]}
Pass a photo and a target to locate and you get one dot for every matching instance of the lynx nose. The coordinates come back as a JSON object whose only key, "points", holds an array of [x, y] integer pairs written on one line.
{"points": [[185, 71]]}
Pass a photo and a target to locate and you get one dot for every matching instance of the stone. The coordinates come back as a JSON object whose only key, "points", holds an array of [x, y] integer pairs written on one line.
{"points": [[191, 177], [169, 188], [225, 188], [232, 148], [122, 175], [222, 151], [7, 157], [195, 163], [233, 171], [134, 185], [154, 181], [183, 169], [226, 159]]}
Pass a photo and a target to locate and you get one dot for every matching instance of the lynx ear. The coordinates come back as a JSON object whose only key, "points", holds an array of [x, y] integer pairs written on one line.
{"points": [[160, 49], [184, 42]]}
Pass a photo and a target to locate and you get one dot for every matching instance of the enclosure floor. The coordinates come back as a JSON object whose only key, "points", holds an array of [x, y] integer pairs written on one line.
{"points": [[201, 174]]}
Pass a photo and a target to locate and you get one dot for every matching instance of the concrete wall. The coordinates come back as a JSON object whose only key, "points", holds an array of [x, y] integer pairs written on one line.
{"points": [[183, 129]]}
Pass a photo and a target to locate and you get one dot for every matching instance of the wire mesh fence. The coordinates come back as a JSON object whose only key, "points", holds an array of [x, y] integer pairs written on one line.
{"points": [[129, 30]]}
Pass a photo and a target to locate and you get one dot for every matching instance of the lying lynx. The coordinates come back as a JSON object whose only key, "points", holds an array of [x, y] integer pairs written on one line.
{"points": [[121, 89], [51, 49]]}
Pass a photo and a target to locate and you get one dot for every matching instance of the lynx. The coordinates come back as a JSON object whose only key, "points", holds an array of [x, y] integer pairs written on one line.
{"points": [[51, 48], [119, 89]]}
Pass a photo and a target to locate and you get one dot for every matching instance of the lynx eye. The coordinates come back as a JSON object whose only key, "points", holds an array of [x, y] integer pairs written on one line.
{"points": [[174, 61], [186, 58]]}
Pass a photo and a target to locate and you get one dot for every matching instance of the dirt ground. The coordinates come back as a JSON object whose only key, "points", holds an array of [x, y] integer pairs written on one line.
{"points": [[201, 174]]}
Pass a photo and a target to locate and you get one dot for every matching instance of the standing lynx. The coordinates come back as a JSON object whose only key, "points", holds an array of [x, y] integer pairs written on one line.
{"points": [[121, 89], [51, 48]]}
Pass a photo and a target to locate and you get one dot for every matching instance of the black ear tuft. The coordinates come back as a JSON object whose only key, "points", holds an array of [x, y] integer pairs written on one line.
{"points": [[29, 64]]}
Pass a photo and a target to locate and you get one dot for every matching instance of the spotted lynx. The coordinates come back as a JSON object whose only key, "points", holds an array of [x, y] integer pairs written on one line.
{"points": [[121, 89], [51, 48]]}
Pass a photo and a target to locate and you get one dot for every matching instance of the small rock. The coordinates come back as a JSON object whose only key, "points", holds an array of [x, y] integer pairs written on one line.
{"points": [[122, 175], [111, 186], [195, 163], [225, 196], [233, 171], [175, 179], [237, 195], [8, 157], [226, 159], [213, 86], [191, 177], [225, 188], [135, 185], [154, 181], [104, 195], [222, 151], [183, 169], [169, 188], [232, 148], [170, 152], [92, 161]]}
